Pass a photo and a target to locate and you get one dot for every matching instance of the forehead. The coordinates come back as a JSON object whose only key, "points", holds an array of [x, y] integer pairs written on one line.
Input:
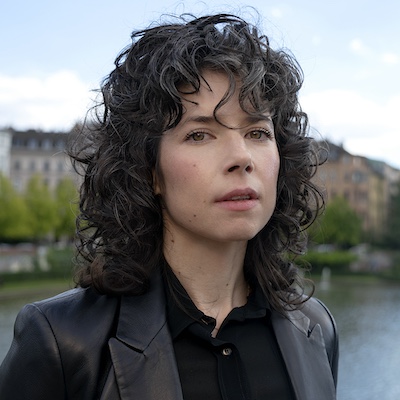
{"points": [[212, 84], [218, 96]]}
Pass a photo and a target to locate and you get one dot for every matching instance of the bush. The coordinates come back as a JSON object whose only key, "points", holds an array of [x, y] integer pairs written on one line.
{"points": [[61, 261], [337, 261], [394, 272]]}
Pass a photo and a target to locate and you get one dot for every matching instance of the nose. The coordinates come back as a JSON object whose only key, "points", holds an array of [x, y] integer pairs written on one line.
{"points": [[239, 155]]}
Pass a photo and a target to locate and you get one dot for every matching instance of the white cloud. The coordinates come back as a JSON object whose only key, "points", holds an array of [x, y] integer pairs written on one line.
{"points": [[316, 40], [54, 102], [390, 58], [364, 126], [276, 12], [359, 48], [335, 108]]}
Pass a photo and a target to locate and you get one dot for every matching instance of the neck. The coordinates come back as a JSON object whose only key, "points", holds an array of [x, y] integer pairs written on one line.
{"points": [[211, 273]]}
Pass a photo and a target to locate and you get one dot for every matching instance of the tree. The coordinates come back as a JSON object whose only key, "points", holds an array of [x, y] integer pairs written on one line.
{"points": [[14, 215], [66, 199], [339, 225], [41, 206]]}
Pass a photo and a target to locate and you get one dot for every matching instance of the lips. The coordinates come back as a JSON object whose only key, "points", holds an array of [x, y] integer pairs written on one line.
{"points": [[239, 195]]}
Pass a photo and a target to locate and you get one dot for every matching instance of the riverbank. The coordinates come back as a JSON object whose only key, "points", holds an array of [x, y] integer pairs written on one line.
{"points": [[50, 287], [45, 288]]}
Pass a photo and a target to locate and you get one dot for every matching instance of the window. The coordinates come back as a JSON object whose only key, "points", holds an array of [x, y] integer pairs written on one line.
{"points": [[358, 177], [32, 143], [46, 144], [17, 142], [60, 145]]}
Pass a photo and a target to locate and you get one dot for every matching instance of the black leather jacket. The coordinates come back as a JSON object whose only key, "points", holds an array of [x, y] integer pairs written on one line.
{"points": [[82, 345]]}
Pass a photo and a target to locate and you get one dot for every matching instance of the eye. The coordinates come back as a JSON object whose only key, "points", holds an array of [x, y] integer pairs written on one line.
{"points": [[196, 136], [260, 134]]}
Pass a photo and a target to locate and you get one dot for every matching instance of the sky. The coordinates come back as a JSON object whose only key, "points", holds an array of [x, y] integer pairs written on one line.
{"points": [[54, 55]]}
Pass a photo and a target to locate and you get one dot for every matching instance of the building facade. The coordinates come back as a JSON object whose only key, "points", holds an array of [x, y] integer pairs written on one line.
{"points": [[366, 184], [5, 147], [43, 153]]}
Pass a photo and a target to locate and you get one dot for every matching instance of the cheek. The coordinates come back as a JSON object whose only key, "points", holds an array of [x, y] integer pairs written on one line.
{"points": [[177, 174], [271, 168], [275, 169]]}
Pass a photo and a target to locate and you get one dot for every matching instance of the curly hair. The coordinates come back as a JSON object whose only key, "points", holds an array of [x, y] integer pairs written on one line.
{"points": [[120, 226]]}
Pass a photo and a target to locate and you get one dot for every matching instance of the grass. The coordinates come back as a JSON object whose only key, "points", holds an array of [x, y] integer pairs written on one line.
{"points": [[349, 278], [33, 287]]}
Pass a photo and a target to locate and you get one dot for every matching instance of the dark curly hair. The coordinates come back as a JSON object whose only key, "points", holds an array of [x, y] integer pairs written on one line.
{"points": [[120, 226]]}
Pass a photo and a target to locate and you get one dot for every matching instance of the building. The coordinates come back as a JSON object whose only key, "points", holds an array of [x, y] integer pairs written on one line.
{"points": [[366, 184], [5, 146], [35, 152]]}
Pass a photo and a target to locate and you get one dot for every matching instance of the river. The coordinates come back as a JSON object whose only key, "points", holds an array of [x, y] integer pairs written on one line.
{"points": [[368, 319]]}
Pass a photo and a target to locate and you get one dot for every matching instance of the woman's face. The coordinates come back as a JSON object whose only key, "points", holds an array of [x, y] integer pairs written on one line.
{"points": [[218, 181]]}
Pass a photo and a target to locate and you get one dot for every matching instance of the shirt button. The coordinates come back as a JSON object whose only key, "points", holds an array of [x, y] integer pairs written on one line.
{"points": [[227, 351]]}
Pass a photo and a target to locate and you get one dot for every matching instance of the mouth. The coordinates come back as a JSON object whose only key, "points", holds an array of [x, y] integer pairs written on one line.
{"points": [[236, 198], [238, 201], [239, 195]]}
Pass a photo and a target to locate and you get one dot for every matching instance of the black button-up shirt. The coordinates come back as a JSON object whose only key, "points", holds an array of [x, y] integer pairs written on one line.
{"points": [[242, 362]]}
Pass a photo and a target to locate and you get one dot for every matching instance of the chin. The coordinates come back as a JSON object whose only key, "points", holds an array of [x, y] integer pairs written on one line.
{"points": [[241, 236]]}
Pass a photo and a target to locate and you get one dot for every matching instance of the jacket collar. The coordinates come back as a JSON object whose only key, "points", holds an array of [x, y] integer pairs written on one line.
{"points": [[303, 350], [144, 363], [142, 353]]}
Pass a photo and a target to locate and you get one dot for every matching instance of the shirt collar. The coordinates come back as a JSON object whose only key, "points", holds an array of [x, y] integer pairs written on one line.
{"points": [[182, 312]]}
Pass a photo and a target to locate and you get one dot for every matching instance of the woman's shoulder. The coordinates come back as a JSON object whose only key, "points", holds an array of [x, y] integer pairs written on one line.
{"points": [[60, 341], [73, 300], [76, 306], [318, 313]]}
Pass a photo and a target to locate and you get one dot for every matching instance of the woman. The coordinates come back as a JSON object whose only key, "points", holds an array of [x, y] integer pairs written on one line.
{"points": [[196, 191]]}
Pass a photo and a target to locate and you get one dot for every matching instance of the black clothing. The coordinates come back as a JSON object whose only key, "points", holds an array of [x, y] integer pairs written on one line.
{"points": [[81, 345], [243, 362]]}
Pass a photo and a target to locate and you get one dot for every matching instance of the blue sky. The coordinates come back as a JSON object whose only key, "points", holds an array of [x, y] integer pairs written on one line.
{"points": [[54, 53]]}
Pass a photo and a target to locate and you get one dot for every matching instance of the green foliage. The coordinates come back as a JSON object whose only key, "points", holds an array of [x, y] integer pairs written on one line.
{"points": [[66, 201], [339, 225], [394, 272], [42, 208], [37, 214], [337, 261], [61, 261], [14, 214]]}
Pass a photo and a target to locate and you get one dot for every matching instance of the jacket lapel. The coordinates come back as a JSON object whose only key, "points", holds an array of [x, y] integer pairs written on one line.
{"points": [[144, 365], [142, 352], [305, 356]]}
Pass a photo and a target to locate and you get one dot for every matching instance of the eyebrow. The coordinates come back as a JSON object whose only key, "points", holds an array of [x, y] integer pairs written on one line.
{"points": [[250, 119]]}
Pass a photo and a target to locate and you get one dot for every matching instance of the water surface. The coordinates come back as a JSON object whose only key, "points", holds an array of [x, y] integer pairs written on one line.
{"points": [[368, 319]]}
